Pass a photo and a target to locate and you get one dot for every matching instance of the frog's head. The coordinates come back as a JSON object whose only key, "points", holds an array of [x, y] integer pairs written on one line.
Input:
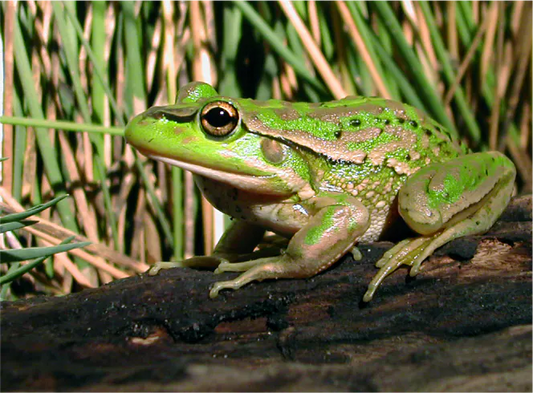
{"points": [[205, 134]]}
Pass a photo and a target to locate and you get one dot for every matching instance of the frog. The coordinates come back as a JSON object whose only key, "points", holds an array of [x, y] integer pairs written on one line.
{"points": [[326, 176]]}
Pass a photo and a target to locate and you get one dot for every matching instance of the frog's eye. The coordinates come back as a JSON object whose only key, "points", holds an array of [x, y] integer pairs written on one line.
{"points": [[219, 118]]}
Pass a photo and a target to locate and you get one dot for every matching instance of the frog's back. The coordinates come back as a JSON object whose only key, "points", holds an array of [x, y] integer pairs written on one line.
{"points": [[357, 130]]}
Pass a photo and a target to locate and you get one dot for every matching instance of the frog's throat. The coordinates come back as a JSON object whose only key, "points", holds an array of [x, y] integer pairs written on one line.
{"points": [[244, 182]]}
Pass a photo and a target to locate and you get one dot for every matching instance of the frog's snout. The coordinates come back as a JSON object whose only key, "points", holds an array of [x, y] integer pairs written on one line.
{"points": [[131, 133], [127, 131]]}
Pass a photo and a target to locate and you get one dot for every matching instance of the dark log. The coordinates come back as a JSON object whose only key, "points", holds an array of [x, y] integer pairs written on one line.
{"points": [[462, 324]]}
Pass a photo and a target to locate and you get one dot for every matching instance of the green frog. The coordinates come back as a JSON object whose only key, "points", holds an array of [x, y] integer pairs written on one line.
{"points": [[324, 175]]}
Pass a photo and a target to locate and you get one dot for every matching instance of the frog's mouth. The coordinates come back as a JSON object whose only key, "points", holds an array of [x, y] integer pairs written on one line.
{"points": [[267, 184]]}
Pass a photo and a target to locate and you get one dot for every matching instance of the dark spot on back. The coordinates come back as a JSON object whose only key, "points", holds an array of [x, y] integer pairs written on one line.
{"points": [[355, 123], [386, 121], [338, 134], [401, 121], [413, 124]]}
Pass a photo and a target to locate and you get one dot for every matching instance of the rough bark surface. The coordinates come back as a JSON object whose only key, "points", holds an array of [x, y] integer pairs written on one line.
{"points": [[464, 324]]}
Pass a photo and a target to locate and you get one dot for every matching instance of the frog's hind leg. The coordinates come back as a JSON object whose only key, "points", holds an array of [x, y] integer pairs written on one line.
{"points": [[473, 210]]}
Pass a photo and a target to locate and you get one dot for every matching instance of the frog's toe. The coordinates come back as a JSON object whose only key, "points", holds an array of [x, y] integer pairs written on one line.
{"points": [[396, 252], [236, 283], [237, 266], [163, 265], [387, 269], [153, 270], [388, 256], [356, 253], [416, 265], [215, 289], [220, 285], [219, 269], [369, 294], [381, 263]]}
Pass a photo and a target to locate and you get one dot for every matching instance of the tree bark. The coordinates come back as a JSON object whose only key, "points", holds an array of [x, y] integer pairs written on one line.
{"points": [[462, 324]]}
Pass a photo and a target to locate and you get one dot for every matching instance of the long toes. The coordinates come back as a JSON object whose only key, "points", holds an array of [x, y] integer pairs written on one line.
{"points": [[220, 285], [382, 262], [153, 270], [369, 294], [415, 269], [158, 266], [221, 268], [215, 289]]}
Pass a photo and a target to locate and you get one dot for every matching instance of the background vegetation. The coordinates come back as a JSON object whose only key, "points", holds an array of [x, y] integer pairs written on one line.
{"points": [[75, 72]]}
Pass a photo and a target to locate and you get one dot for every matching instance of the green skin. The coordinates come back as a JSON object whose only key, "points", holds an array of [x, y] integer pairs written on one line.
{"points": [[326, 176]]}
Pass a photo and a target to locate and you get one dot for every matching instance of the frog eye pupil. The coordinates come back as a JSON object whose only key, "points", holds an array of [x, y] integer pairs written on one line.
{"points": [[219, 118]]}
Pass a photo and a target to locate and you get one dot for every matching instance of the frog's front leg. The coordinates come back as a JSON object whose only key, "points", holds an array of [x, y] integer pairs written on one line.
{"points": [[442, 202], [327, 236], [237, 243]]}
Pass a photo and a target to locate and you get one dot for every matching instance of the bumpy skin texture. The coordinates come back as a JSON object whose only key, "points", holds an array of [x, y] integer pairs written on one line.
{"points": [[324, 175]]}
